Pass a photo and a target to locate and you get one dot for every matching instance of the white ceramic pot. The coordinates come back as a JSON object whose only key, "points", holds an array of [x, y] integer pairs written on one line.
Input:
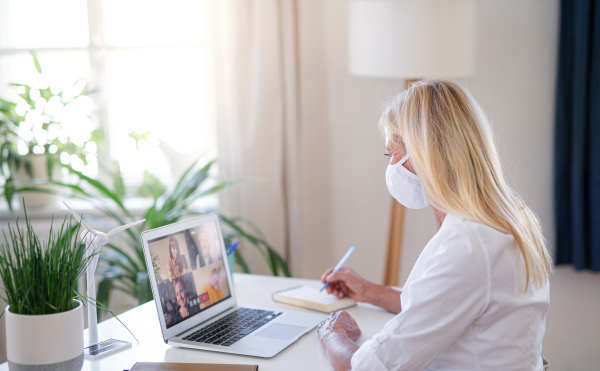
{"points": [[50, 342]]}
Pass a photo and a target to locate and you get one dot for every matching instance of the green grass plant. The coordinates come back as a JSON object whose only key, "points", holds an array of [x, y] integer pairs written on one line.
{"points": [[40, 277]]}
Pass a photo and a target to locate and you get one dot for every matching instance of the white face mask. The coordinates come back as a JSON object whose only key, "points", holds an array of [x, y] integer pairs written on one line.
{"points": [[405, 186]]}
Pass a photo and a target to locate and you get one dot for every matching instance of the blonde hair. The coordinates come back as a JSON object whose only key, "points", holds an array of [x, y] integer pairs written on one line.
{"points": [[451, 147]]}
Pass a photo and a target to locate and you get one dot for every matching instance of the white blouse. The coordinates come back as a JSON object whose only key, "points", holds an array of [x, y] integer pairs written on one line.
{"points": [[463, 308]]}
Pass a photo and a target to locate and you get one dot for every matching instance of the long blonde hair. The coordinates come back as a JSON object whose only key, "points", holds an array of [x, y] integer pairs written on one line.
{"points": [[451, 147]]}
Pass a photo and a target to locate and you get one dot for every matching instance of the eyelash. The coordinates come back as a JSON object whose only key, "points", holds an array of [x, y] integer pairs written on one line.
{"points": [[386, 154]]}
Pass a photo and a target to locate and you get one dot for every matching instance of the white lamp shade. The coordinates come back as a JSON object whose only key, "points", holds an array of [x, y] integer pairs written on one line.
{"points": [[412, 38]]}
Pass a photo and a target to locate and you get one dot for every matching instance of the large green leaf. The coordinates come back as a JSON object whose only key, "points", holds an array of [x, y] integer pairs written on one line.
{"points": [[101, 188], [104, 289], [239, 260], [36, 61], [143, 289]]}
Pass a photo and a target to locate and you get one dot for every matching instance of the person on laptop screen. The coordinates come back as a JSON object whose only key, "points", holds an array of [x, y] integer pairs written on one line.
{"points": [[209, 247], [213, 289], [182, 295], [176, 264]]}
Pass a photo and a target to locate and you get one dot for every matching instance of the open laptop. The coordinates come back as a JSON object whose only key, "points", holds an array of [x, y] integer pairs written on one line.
{"points": [[195, 297]]}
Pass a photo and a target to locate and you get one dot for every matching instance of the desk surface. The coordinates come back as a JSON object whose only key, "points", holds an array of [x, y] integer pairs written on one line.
{"points": [[304, 354]]}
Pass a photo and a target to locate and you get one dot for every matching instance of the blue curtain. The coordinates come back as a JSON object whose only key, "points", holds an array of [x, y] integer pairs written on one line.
{"points": [[577, 141]]}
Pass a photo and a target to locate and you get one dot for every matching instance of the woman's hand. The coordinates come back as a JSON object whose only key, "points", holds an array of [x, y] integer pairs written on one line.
{"points": [[338, 324], [337, 334], [346, 282]]}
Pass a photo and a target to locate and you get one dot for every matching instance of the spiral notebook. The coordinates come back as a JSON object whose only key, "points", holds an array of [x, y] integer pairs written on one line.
{"points": [[311, 298]]}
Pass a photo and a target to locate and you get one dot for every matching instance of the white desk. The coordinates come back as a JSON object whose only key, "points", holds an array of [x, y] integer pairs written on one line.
{"points": [[304, 354]]}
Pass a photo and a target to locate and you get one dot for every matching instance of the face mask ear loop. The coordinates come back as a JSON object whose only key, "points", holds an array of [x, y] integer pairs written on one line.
{"points": [[403, 159], [400, 164]]}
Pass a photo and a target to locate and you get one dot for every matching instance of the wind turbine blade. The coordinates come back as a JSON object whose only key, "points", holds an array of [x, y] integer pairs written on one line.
{"points": [[79, 219], [124, 227]]}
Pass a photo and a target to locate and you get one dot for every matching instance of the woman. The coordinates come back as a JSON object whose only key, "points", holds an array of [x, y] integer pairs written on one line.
{"points": [[176, 264], [477, 297], [213, 289], [181, 295], [207, 254]]}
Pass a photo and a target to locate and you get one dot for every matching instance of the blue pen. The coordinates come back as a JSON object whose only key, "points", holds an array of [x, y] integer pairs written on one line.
{"points": [[339, 265], [232, 247]]}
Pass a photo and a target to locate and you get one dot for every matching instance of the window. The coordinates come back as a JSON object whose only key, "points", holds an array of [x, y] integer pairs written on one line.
{"points": [[146, 59]]}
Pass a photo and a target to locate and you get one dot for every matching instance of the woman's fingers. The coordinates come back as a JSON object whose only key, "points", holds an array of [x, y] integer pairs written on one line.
{"points": [[337, 283], [350, 325], [334, 288], [334, 276], [342, 323], [348, 284], [327, 273], [344, 274], [344, 282]]}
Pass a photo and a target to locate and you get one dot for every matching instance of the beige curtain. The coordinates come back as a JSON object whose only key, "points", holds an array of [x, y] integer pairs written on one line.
{"points": [[255, 44]]}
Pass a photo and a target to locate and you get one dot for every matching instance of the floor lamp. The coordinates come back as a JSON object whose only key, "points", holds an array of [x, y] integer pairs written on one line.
{"points": [[411, 40]]}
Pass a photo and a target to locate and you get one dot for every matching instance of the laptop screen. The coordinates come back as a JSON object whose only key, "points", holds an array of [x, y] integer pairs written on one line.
{"points": [[190, 273]]}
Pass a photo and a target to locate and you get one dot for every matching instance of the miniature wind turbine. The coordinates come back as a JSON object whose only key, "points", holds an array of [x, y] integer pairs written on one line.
{"points": [[95, 239]]}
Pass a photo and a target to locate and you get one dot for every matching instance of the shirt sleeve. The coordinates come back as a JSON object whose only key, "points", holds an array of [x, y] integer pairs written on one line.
{"points": [[450, 289]]}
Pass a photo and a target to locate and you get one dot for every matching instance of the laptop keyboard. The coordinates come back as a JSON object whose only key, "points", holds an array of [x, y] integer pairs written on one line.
{"points": [[233, 326]]}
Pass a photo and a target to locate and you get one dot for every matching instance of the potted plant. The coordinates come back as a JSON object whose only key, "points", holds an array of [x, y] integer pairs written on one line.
{"points": [[44, 319], [38, 126]]}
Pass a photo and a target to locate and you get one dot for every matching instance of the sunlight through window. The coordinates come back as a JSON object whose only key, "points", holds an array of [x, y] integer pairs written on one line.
{"points": [[148, 77]]}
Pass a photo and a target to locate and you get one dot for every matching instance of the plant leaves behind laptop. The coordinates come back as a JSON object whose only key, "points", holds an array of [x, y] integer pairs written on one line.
{"points": [[125, 270]]}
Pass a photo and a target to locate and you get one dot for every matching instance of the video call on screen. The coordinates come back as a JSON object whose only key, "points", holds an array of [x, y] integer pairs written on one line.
{"points": [[190, 272]]}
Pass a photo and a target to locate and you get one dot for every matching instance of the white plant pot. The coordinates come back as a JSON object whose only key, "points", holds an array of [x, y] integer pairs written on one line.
{"points": [[50, 342]]}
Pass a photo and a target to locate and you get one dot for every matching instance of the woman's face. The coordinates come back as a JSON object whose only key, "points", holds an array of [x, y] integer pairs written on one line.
{"points": [[180, 294], [214, 249], [204, 242], [396, 151], [173, 248], [214, 280]]}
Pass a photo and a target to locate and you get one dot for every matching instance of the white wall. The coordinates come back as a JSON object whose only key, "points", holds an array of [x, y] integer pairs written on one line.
{"points": [[514, 82], [314, 143]]}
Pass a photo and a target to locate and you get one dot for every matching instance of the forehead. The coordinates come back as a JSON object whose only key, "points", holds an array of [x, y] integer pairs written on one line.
{"points": [[392, 146], [392, 139]]}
